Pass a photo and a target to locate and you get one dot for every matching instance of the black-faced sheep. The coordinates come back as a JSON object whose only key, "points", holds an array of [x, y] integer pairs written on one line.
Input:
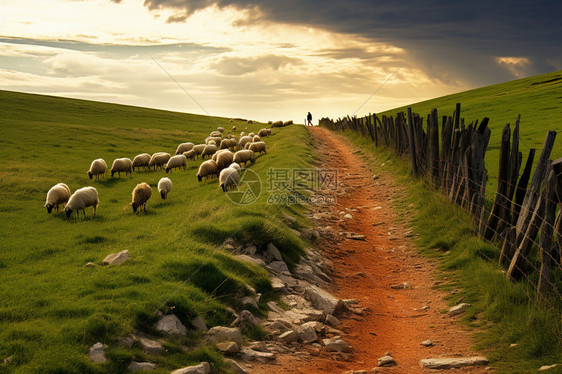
{"points": [[141, 194], [97, 168], [184, 147], [164, 187], [81, 199], [141, 160], [58, 194], [177, 161], [159, 159], [208, 169], [122, 164], [228, 179]]}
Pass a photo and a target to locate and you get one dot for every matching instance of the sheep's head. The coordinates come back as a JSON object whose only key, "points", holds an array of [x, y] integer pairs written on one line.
{"points": [[135, 206], [223, 187], [90, 174], [68, 212], [49, 207], [199, 177], [112, 172]]}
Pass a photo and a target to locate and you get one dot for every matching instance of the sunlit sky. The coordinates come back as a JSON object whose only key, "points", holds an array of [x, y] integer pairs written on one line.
{"points": [[271, 60]]}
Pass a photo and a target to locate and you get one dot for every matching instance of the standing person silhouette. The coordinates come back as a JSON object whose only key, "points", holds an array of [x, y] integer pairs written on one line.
{"points": [[309, 119]]}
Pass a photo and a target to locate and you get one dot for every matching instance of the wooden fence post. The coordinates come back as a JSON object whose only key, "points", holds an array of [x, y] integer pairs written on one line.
{"points": [[546, 242], [412, 144]]}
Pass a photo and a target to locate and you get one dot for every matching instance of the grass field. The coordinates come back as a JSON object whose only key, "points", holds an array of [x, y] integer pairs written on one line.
{"points": [[52, 307], [538, 99]]}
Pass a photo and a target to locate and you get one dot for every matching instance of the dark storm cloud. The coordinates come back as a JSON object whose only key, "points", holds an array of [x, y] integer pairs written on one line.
{"points": [[451, 40]]}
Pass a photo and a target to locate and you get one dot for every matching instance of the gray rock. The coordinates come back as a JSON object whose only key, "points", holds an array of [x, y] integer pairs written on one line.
{"points": [[348, 216], [252, 260], [97, 352], [199, 324], [275, 308], [126, 342], [219, 334], [450, 363], [279, 266], [277, 284], [458, 309], [427, 343], [307, 334], [322, 300], [272, 253], [150, 346], [386, 361], [170, 325], [251, 250], [332, 321], [297, 233], [259, 346], [337, 344], [116, 258], [289, 336], [235, 367], [202, 368], [140, 366], [245, 318], [310, 234], [262, 357], [228, 347]]}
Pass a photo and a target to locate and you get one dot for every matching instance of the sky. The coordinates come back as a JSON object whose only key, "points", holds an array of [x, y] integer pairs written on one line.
{"points": [[271, 59]]}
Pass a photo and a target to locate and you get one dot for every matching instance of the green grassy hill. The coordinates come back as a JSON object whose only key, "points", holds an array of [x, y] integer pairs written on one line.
{"points": [[538, 99], [53, 307]]}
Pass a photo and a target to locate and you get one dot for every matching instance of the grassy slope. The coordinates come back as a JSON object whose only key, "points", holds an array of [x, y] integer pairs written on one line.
{"points": [[538, 99], [52, 307]]}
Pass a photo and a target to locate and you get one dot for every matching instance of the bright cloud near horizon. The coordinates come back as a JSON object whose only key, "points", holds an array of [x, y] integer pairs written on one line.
{"points": [[270, 60]]}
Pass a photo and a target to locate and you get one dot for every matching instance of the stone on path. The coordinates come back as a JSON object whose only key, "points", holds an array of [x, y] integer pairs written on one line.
{"points": [[170, 325], [202, 368], [337, 344], [450, 363], [262, 357], [427, 343], [458, 309], [228, 347], [322, 300], [288, 336], [97, 352], [386, 360], [116, 258], [219, 334]]}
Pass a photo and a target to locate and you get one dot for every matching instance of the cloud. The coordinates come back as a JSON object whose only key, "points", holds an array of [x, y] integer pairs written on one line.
{"points": [[245, 65]]}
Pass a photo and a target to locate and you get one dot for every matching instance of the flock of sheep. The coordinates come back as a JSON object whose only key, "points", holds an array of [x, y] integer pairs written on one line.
{"points": [[225, 157]]}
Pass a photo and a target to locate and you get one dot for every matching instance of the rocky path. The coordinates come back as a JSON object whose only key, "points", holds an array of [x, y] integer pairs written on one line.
{"points": [[375, 262]]}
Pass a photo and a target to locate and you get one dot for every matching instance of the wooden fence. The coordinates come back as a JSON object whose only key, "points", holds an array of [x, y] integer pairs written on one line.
{"points": [[520, 217]]}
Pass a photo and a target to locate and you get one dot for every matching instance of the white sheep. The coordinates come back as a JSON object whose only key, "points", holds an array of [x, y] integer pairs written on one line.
{"points": [[228, 179], [58, 194], [141, 194], [184, 147], [141, 160], [220, 129], [258, 147], [216, 133], [212, 142], [177, 161], [277, 124], [122, 164], [287, 123], [97, 168], [216, 139], [209, 150], [208, 169], [164, 187], [243, 140], [251, 135], [234, 165], [243, 156], [242, 133], [227, 144], [198, 149], [263, 133], [224, 159], [190, 155], [81, 199], [159, 159], [256, 138]]}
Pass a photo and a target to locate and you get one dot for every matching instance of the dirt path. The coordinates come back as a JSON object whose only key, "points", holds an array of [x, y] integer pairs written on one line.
{"points": [[396, 320]]}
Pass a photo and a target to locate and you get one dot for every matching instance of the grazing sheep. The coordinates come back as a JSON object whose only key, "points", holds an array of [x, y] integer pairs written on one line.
{"points": [[141, 194], [277, 124], [256, 138], [243, 140], [207, 170], [216, 134], [228, 179], [287, 123], [177, 161], [190, 155], [217, 153], [258, 147], [243, 156], [122, 164], [268, 131], [216, 139], [224, 159], [97, 168], [234, 165], [58, 194], [141, 160], [209, 150], [242, 133], [249, 122], [184, 147], [164, 187], [212, 142], [227, 144], [263, 133], [251, 135], [159, 159], [198, 149], [233, 127], [220, 129], [81, 199]]}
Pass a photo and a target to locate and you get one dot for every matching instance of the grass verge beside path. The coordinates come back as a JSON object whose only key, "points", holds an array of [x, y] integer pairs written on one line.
{"points": [[502, 312], [52, 307]]}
